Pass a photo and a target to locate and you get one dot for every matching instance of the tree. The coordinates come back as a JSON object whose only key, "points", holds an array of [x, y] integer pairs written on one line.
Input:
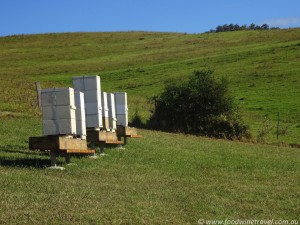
{"points": [[252, 26], [201, 105], [265, 26], [236, 27]]}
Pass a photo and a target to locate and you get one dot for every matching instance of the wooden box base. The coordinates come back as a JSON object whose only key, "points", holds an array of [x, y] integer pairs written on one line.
{"points": [[58, 143]]}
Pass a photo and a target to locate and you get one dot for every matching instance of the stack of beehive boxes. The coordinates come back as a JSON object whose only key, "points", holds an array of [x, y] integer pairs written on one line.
{"points": [[80, 115], [69, 112], [90, 86], [112, 111], [58, 111], [121, 108]]}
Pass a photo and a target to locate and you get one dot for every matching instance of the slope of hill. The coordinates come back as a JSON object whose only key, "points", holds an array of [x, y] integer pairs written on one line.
{"points": [[162, 178], [262, 67]]}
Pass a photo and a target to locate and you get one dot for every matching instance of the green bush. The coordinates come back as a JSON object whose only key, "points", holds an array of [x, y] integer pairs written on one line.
{"points": [[200, 105]]}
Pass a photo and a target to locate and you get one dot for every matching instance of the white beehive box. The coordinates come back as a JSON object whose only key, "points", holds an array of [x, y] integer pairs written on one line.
{"points": [[58, 111], [91, 108], [62, 126], [80, 115], [86, 83], [121, 108], [92, 96], [94, 121], [90, 86], [58, 96], [122, 120], [112, 111]]}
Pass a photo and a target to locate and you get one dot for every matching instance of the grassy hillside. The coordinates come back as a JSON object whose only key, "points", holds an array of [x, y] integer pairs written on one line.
{"points": [[162, 178], [262, 67]]}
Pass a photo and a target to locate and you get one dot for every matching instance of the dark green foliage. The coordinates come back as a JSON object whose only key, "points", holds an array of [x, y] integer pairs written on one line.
{"points": [[200, 105], [136, 120], [236, 27]]}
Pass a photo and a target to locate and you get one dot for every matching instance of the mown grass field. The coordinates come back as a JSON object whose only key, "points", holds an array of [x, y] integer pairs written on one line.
{"points": [[162, 178]]}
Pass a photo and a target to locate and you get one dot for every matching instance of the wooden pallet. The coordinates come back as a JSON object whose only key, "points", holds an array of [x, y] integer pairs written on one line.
{"points": [[115, 142], [126, 131], [79, 151], [56, 143], [59, 144], [103, 137]]}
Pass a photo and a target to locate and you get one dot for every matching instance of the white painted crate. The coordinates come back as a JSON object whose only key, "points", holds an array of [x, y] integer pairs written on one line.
{"points": [[92, 108], [90, 86], [121, 108], [122, 120], [94, 121], [58, 96], [86, 83], [58, 112], [92, 96], [61, 126]]}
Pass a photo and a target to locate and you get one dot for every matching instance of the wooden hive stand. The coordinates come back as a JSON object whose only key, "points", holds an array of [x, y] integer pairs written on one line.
{"points": [[59, 144], [127, 132], [103, 138]]}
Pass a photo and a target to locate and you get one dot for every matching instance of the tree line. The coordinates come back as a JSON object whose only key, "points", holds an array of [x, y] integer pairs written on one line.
{"points": [[236, 27]]}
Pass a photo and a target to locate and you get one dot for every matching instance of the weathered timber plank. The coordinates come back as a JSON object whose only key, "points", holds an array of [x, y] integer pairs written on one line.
{"points": [[56, 143], [43, 143], [114, 142], [101, 136], [126, 131], [83, 151], [72, 143]]}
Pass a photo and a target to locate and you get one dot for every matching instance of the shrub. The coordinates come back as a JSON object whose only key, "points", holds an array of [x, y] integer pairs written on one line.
{"points": [[201, 105]]}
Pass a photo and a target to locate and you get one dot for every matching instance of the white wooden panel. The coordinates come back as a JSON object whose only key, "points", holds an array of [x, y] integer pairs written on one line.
{"points": [[86, 83], [122, 120], [94, 121], [58, 112], [63, 126], [58, 96]]}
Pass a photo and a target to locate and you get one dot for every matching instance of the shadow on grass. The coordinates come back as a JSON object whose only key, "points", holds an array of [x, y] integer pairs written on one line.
{"points": [[19, 149], [30, 158], [26, 162]]}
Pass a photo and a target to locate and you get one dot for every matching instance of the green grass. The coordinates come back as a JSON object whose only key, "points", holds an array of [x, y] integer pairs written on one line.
{"points": [[162, 178], [159, 179], [262, 67]]}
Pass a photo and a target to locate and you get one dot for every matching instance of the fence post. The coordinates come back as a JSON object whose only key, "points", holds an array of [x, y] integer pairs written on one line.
{"points": [[38, 94]]}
